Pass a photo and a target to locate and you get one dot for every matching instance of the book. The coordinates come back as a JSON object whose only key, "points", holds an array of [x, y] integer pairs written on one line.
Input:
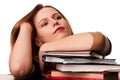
{"points": [[58, 75], [70, 60], [72, 54], [88, 67]]}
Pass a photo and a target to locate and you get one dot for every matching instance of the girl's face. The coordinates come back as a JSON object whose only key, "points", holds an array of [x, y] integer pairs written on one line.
{"points": [[50, 25]]}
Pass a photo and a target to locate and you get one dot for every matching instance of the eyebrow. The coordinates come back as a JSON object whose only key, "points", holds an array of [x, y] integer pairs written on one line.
{"points": [[55, 14], [46, 18]]}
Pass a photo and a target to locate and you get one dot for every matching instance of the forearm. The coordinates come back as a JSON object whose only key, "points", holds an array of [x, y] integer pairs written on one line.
{"points": [[83, 41], [21, 53]]}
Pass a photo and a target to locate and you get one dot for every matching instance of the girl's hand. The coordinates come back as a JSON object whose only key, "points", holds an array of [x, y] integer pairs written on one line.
{"points": [[27, 26]]}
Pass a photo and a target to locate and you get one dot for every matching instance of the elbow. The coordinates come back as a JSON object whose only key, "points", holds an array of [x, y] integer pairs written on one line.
{"points": [[98, 41], [17, 71], [101, 44]]}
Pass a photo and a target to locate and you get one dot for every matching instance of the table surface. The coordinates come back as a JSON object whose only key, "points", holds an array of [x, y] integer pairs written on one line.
{"points": [[10, 77], [6, 77]]}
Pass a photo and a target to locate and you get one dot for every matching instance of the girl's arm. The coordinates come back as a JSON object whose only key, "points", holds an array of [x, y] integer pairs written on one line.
{"points": [[21, 54], [83, 41]]}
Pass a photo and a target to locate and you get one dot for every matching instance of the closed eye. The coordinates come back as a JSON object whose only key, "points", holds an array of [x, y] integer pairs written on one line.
{"points": [[58, 17], [44, 24]]}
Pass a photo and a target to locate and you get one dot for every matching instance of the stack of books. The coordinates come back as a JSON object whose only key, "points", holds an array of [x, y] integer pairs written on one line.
{"points": [[79, 65]]}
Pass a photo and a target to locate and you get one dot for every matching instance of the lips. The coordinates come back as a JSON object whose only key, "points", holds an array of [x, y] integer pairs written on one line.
{"points": [[58, 29]]}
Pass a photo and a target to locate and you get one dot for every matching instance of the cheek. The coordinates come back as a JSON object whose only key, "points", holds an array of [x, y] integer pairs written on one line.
{"points": [[67, 26], [68, 29], [45, 35]]}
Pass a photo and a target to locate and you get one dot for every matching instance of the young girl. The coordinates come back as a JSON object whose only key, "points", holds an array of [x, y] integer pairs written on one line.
{"points": [[45, 28]]}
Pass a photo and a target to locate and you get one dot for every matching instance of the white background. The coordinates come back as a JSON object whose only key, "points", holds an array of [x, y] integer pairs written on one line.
{"points": [[83, 15]]}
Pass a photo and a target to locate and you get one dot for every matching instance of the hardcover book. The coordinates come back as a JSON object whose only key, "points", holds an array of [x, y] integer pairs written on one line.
{"points": [[87, 67], [58, 75], [70, 60], [72, 54]]}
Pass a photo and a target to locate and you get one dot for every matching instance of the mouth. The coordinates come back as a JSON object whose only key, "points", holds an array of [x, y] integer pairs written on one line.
{"points": [[59, 29]]}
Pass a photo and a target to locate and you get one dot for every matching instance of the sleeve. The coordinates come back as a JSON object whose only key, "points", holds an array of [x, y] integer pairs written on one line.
{"points": [[108, 47], [101, 44]]}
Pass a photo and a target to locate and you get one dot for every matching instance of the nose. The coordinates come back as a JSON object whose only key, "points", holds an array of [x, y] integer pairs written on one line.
{"points": [[55, 22]]}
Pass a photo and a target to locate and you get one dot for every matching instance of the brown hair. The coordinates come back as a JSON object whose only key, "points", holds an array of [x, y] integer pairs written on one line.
{"points": [[29, 18]]}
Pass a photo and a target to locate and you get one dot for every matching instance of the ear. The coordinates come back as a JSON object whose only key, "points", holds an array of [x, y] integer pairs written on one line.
{"points": [[38, 42]]}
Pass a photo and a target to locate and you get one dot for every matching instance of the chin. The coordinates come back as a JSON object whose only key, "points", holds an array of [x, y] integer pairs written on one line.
{"points": [[62, 36]]}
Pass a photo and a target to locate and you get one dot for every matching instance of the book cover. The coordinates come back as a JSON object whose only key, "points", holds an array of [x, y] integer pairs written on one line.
{"points": [[71, 54], [70, 60], [58, 75], [87, 67]]}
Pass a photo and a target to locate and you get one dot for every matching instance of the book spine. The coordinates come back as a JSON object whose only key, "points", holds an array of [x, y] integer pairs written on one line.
{"points": [[43, 58], [73, 78]]}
